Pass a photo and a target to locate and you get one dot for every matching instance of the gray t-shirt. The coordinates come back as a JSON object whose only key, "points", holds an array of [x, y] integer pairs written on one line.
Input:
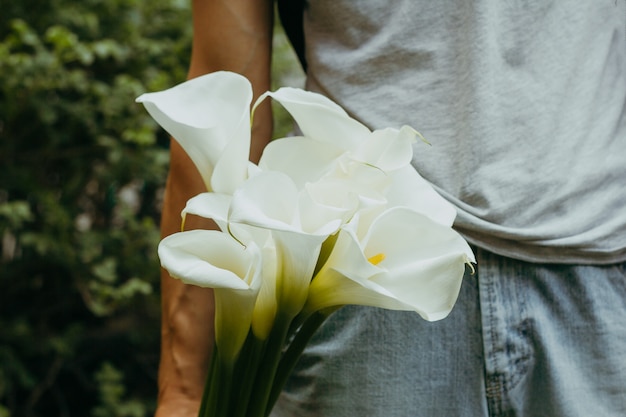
{"points": [[523, 102]]}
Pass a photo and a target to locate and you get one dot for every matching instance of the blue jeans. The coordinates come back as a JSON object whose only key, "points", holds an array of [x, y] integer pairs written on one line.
{"points": [[523, 340]]}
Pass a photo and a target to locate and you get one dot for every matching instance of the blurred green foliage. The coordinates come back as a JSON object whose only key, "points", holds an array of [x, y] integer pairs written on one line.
{"points": [[82, 171], [82, 168]]}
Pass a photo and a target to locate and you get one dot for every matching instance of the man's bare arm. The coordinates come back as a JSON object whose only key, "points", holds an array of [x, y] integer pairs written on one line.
{"points": [[232, 35]]}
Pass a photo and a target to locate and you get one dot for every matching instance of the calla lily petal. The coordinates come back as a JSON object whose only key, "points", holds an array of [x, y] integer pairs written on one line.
{"points": [[266, 304], [233, 319], [269, 200], [328, 201], [368, 179], [427, 255], [207, 258], [419, 266], [297, 255], [302, 159], [319, 118], [212, 259], [409, 189], [210, 117], [388, 149], [210, 206]]}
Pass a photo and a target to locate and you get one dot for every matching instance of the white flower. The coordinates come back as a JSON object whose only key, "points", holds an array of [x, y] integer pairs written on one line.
{"points": [[319, 118], [334, 144], [210, 117], [330, 133], [404, 262], [271, 201], [212, 259]]}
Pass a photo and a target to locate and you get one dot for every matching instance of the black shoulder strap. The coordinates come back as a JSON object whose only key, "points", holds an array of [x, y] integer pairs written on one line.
{"points": [[291, 13]]}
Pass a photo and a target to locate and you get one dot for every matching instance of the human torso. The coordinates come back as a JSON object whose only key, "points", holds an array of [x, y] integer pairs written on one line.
{"points": [[523, 103]]}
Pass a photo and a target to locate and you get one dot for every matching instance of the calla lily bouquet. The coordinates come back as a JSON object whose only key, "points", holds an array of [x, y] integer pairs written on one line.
{"points": [[333, 217]]}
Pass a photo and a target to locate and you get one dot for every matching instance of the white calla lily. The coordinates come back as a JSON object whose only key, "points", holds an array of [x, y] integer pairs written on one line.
{"points": [[212, 259], [331, 199], [366, 178], [404, 262], [212, 206], [319, 118], [301, 158], [388, 149], [210, 117], [297, 255], [266, 304], [407, 188], [324, 171], [271, 200]]}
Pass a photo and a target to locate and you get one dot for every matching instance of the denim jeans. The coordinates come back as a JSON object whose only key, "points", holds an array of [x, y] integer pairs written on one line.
{"points": [[523, 340]]}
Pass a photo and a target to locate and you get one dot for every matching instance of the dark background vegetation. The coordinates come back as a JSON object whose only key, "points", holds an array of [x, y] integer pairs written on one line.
{"points": [[82, 168]]}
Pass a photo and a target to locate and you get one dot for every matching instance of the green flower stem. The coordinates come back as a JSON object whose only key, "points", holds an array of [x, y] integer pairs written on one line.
{"points": [[215, 399], [250, 385], [268, 366], [293, 352], [246, 370], [226, 385], [210, 381]]}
